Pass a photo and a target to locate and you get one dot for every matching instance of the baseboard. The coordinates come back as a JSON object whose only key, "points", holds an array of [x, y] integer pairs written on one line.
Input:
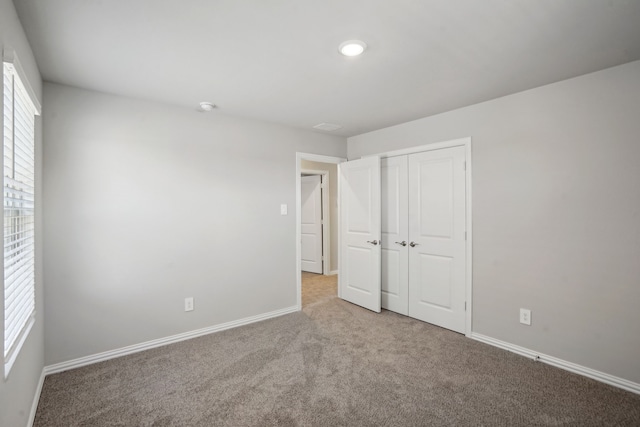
{"points": [[560, 363], [333, 272], [36, 399], [111, 354]]}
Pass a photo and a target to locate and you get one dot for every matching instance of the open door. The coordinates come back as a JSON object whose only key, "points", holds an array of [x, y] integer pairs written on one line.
{"points": [[360, 246], [311, 224]]}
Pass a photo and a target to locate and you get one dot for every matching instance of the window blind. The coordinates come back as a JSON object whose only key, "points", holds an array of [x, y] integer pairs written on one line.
{"points": [[19, 248]]}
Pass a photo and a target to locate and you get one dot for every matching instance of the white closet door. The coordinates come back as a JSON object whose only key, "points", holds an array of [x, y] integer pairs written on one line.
{"points": [[359, 278], [437, 231], [395, 251], [311, 224]]}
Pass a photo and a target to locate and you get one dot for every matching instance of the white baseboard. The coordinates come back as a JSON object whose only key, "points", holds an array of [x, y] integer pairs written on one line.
{"points": [[333, 272], [111, 354], [36, 399], [559, 363]]}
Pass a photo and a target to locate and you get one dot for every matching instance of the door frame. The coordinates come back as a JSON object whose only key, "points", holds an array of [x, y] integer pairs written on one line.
{"points": [[466, 143], [314, 158], [326, 217]]}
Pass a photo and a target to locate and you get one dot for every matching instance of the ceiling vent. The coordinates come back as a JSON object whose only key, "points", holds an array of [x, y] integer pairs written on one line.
{"points": [[329, 127]]}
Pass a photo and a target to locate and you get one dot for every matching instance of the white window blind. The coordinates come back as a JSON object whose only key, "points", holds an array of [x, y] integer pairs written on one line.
{"points": [[19, 250]]}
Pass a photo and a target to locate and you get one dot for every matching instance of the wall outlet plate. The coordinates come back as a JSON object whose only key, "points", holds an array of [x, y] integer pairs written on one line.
{"points": [[188, 304], [525, 316]]}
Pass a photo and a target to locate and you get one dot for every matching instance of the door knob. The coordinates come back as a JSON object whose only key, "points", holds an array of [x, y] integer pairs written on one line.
{"points": [[373, 242], [413, 244], [403, 243]]}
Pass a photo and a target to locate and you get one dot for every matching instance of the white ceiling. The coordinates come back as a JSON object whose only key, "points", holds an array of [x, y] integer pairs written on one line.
{"points": [[277, 60]]}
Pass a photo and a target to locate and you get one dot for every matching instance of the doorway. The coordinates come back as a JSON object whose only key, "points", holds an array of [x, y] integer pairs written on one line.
{"points": [[325, 166]]}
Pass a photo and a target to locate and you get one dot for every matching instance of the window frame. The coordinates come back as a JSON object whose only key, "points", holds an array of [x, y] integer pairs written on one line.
{"points": [[29, 105]]}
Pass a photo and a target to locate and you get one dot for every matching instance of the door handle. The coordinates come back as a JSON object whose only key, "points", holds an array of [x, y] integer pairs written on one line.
{"points": [[373, 242], [403, 243], [413, 244]]}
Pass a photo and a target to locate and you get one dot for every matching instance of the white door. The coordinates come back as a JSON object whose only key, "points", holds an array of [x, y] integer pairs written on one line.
{"points": [[437, 237], [395, 234], [359, 278], [311, 223]]}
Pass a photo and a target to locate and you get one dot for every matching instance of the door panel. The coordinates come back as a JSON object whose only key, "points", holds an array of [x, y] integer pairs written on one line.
{"points": [[435, 274], [437, 228], [395, 257], [436, 196], [359, 278], [311, 224]]}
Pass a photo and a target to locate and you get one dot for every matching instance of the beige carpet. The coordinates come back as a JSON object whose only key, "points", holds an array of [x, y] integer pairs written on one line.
{"points": [[318, 288], [333, 364]]}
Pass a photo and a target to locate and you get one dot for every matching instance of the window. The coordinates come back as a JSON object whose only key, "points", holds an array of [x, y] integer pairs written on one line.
{"points": [[19, 247]]}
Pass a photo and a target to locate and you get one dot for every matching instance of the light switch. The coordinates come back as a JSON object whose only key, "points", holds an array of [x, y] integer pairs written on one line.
{"points": [[283, 209]]}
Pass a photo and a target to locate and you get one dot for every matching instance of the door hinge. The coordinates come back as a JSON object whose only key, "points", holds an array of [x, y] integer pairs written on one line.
{"points": [[464, 165], [465, 235], [465, 306]]}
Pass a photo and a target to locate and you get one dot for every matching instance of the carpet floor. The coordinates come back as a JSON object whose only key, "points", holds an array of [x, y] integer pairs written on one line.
{"points": [[317, 288], [332, 364]]}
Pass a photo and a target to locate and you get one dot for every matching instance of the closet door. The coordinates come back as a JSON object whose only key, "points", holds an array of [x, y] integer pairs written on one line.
{"points": [[437, 237], [359, 278], [395, 231]]}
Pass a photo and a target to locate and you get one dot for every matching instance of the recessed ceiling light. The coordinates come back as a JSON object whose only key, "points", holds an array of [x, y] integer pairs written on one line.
{"points": [[352, 47], [206, 106]]}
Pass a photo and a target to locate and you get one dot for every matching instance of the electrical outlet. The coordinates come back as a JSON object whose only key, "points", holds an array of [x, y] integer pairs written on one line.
{"points": [[188, 304], [525, 316]]}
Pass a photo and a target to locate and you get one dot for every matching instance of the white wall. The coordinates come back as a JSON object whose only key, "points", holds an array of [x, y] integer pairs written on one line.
{"points": [[333, 205], [148, 204], [556, 214], [18, 390]]}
